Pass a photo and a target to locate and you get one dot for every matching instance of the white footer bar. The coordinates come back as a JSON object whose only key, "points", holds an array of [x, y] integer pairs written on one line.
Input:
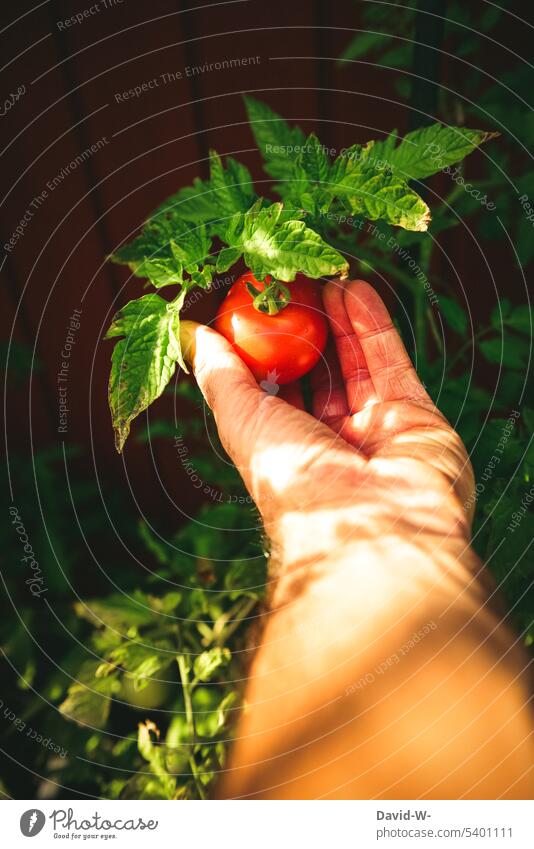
{"points": [[273, 825]]}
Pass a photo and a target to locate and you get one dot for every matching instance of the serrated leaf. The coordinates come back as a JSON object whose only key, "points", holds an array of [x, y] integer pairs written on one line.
{"points": [[274, 245], [143, 361], [382, 195], [428, 150], [192, 203], [232, 187], [314, 161], [165, 249], [142, 661], [349, 161], [190, 247], [278, 143], [226, 258], [207, 663], [149, 255], [117, 611], [88, 700]]}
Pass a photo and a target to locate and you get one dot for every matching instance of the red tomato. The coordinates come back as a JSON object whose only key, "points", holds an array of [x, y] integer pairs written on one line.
{"points": [[276, 348]]}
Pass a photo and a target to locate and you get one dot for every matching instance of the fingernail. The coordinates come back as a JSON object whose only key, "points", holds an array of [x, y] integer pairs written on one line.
{"points": [[187, 339]]}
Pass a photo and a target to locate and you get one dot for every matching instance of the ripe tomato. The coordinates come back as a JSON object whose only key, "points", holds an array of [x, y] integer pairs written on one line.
{"points": [[276, 348]]}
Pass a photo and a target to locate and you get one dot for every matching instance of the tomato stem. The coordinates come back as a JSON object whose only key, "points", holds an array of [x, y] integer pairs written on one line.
{"points": [[271, 299]]}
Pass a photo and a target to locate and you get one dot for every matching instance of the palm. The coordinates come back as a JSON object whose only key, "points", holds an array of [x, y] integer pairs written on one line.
{"points": [[367, 390]]}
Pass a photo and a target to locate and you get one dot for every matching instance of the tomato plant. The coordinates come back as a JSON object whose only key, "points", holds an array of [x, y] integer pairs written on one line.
{"points": [[279, 342], [207, 228]]}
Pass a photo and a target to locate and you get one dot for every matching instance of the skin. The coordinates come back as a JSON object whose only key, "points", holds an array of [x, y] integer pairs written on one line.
{"points": [[385, 667]]}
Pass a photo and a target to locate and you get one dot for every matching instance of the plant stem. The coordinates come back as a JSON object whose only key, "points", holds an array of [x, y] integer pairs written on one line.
{"points": [[190, 719], [236, 621], [434, 329]]}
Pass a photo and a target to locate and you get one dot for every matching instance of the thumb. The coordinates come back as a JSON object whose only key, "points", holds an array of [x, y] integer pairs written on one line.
{"points": [[226, 383]]}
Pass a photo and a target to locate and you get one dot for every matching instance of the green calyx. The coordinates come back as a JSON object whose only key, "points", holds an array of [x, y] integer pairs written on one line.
{"points": [[271, 299]]}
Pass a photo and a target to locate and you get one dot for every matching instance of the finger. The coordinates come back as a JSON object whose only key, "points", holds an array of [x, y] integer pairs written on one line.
{"points": [[359, 387], [329, 402], [389, 365], [292, 394], [225, 381]]}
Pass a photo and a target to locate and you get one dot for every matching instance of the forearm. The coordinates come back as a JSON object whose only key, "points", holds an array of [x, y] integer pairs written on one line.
{"points": [[373, 664]]}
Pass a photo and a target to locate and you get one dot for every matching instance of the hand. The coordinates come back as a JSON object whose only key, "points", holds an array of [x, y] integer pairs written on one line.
{"points": [[377, 440]]}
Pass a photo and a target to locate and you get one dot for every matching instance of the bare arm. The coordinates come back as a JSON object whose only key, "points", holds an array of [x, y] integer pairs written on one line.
{"points": [[384, 669]]}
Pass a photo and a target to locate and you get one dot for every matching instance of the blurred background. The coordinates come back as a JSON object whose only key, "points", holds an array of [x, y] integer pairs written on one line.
{"points": [[107, 109]]}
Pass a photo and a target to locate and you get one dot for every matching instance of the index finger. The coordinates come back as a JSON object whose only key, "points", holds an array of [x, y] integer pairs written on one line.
{"points": [[390, 368], [358, 383]]}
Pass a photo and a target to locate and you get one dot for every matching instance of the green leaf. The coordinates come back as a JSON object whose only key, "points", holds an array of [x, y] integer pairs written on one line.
{"points": [[190, 247], [274, 245], [499, 313], [226, 258], [192, 203], [430, 149], [142, 661], [155, 755], [349, 160], [167, 247], [207, 663], [143, 361], [381, 195], [366, 42], [455, 316], [521, 319], [149, 255], [314, 161], [89, 700], [278, 143], [510, 352], [232, 187], [117, 611]]}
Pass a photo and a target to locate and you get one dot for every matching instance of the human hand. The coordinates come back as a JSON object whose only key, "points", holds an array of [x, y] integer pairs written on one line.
{"points": [[376, 456]]}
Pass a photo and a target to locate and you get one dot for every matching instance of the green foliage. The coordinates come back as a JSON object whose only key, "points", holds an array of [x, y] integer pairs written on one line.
{"points": [[276, 140], [176, 245], [177, 651], [144, 361], [424, 152], [273, 245], [381, 195]]}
